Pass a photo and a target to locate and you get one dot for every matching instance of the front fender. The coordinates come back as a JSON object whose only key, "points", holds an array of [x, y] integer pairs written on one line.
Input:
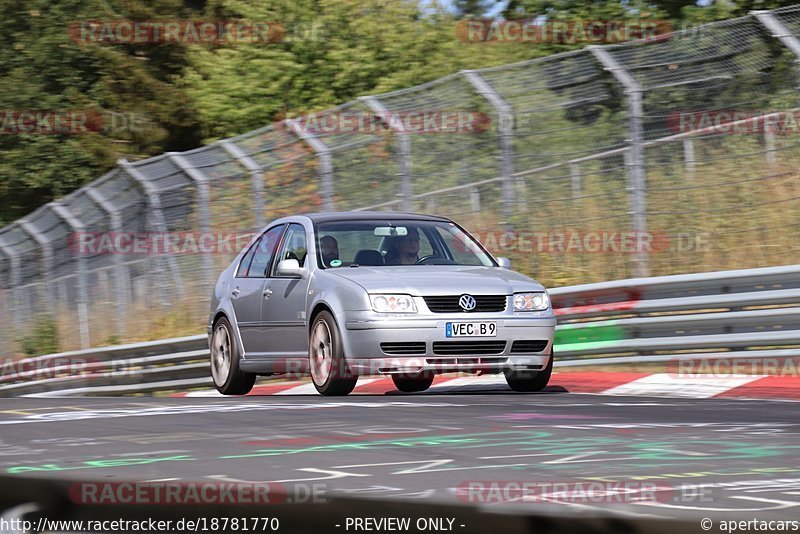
{"points": [[340, 296]]}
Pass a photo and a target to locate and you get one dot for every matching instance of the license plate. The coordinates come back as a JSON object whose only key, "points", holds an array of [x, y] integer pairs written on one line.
{"points": [[483, 329]]}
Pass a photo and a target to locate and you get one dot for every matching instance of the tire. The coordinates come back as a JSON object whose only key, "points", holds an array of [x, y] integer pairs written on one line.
{"points": [[529, 381], [225, 354], [329, 371], [413, 384]]}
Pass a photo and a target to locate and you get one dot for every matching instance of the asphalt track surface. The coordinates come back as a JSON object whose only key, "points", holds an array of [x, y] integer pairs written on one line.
{"points": [[713, 458]]}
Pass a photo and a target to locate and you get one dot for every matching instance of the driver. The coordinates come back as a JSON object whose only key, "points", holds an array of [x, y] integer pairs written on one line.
{"points": [[329, 248], [405, 249]]}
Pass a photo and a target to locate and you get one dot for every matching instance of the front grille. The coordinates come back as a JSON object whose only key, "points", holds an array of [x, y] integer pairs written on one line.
{"points": [[443, 362], [468, 348], [483, 303], [529, 345], [405, 347]]}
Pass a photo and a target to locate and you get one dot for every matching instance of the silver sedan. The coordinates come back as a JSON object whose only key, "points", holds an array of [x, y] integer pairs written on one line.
{"points": [[342, 295]]}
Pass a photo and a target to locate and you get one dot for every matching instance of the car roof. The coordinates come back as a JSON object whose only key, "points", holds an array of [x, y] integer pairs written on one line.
{"points": [[370, 215]]}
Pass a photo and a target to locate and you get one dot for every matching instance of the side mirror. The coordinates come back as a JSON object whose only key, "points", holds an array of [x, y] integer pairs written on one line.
{"points": [[290, 267], [505, 263]]}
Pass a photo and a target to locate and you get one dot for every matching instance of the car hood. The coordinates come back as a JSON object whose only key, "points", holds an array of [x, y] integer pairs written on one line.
{"points": [[423, 280]]}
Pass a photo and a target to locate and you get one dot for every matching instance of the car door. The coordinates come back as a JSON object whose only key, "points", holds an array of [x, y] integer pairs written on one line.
{"points": [[284, 307], [247, 291]]}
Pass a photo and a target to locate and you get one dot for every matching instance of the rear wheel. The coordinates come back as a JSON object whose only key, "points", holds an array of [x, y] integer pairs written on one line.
{"points": [[225, 354], [329, 371], [413, 384], [530, 381]]}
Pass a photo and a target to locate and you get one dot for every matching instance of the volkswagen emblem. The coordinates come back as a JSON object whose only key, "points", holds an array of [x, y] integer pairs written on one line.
{"points": [[467, 302]]}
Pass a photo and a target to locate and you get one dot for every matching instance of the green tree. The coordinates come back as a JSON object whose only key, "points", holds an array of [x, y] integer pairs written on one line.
{"points": [[44, 67], [333, 51], [473, 8], [583, 9]]}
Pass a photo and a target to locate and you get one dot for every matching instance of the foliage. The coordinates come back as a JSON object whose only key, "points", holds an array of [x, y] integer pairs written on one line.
{"points": [[43, 67], [43, 337], [333, 51], [182, 95]]}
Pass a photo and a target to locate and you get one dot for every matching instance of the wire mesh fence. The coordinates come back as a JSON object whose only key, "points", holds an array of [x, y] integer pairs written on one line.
{"points": [[669, 155]]}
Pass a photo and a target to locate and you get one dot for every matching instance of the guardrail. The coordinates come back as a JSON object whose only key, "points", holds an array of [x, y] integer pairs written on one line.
{"points": [[686, 316], [753, 313]]}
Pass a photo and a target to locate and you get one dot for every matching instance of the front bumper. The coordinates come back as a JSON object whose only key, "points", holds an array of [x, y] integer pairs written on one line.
{"points": [[363, 335]]}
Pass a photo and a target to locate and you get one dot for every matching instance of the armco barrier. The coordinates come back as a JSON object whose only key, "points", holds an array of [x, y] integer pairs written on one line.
{"points": [[753, 313]]}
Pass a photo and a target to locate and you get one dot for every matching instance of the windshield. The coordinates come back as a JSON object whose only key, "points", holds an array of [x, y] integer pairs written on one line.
{"points": [[379, 243]]}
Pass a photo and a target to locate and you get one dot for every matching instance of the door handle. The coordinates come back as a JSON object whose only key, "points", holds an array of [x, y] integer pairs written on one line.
{"points": [[235, 292], [267, 293]]}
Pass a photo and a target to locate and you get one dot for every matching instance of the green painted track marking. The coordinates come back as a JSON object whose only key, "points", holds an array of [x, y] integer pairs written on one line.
{"points": [[588, 336]]}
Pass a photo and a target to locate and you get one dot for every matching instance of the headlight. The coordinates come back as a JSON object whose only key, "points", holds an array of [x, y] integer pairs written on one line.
{"points": [[393, 303], [531, 301]]}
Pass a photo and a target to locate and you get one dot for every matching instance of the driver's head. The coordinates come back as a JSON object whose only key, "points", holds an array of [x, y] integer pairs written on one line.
{"points": [[329, 248], [408, 245]]}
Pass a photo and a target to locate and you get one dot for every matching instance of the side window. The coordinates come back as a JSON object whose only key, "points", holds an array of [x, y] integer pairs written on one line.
{"points": [[261, 254], [245, 264], [294, 246]]}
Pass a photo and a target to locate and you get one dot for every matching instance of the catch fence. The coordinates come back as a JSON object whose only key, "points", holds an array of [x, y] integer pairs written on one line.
{"points": [[685, 145]]}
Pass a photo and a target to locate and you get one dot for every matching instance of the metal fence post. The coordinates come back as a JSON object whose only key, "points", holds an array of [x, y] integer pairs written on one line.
{"points": [[475, 199], [403, 148], [688, 157], [780, 32], [204, 212], [636, 170], [505, 119], [575, 179], [46, 269], [325, 161], [46, 266], [122, 287], [9, 296], [14, 279], [157, 222], [769, 144], [83, 286], [256, 180]]}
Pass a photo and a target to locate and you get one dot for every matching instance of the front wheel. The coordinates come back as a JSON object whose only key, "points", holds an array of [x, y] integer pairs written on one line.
{"points": [[329, 371], [530, 381], [413, 384], [225, 354]]}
